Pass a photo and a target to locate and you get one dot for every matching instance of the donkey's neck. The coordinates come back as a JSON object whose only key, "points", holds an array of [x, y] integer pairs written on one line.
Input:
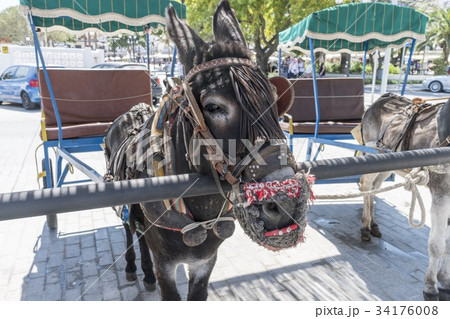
{"points": [[201, 207]]}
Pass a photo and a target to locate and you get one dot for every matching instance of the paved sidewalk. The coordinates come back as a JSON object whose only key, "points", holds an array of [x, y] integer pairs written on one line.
{"points": [[83, 259]]}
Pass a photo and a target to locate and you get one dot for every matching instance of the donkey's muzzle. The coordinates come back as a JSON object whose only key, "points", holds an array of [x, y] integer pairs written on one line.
{"points": [[268, 160]]}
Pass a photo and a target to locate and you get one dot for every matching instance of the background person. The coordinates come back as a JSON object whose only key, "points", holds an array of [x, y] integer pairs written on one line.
{"points": [[322, 70], [293, 69], [285, 67], [308, 71], [301, 67]]}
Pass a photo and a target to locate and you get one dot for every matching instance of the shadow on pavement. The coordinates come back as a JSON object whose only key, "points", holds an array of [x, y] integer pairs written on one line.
{"points": [[387, 268], [333, 264], [87, 265]]}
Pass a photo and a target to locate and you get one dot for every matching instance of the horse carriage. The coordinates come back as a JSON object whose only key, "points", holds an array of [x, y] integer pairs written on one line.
{"points": [[79, 105], [392, 123], [220, 122]]}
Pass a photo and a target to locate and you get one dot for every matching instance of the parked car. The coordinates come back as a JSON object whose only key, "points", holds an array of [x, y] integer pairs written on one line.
{"points": [[19, 84], [156, 84], [437, 83]]}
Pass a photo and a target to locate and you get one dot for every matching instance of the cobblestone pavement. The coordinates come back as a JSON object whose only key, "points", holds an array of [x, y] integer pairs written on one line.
{"points": [[83, 259]]}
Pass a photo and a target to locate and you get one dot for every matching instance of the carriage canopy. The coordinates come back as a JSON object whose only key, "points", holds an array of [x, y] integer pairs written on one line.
{"points": [[346, 28], [105, 16]]}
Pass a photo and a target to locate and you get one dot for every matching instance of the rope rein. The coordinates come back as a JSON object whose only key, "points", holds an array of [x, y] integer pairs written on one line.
{"points": [[418, 176]]}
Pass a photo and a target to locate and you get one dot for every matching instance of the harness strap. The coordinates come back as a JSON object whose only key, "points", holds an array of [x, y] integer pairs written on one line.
{"points": [[446, 142], [243, 164], [404, 138], [380, 143], [403, 142], [201, 129], [218, 184], [172, 101]]}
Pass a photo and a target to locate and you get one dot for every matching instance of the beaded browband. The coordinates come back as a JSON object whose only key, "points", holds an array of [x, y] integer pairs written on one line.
{"points": [[222, 62]]}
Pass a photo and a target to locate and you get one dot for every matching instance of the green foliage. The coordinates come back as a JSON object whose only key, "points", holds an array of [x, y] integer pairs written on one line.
{"points": [[61, 37], [438, 30], [439, 66], [118, 42], [261, 20], [13, 25], [369, 69], [122, 41], [356, 67], [328, 67], [335, 67], [14, 28], [394, 69]]}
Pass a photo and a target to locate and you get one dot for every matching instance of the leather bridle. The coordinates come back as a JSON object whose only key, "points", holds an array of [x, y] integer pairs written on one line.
{"points": [[221, 165]]}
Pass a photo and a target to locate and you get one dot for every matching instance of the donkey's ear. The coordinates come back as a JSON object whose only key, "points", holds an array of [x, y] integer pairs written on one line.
{"points": [[189, 44], [225, 25]]}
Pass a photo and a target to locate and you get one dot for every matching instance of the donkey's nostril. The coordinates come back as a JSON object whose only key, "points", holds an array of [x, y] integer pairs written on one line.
{"points": [[274, 216], [271, 209]]}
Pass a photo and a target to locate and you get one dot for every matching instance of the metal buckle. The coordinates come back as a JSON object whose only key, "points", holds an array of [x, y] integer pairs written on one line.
{"points": [[224, 171]]}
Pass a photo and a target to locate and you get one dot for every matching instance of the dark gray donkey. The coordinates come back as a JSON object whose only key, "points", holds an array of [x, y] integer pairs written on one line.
{"points": [[221, 121]]}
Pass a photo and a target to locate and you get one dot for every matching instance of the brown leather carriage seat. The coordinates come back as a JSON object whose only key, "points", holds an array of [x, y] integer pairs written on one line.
{"points": [[89, 100], [341, 102]]}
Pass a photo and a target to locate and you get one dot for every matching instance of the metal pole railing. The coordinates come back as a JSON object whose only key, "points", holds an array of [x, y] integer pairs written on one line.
{"points": [[74, 198]]}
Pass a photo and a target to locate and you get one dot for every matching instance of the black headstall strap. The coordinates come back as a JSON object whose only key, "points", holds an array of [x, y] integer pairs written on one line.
{"points": [[223, 166], [216, 63]]}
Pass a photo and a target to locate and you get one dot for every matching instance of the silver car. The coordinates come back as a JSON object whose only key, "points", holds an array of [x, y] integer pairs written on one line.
{"points": [[437, 83]]}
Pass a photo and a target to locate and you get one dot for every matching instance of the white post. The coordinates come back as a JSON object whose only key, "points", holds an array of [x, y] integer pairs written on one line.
{"points": [[401, 67], [374, 72], [384, 78], [425, 60]]}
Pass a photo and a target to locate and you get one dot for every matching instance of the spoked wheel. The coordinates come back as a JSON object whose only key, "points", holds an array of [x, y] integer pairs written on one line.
{"points": [[52, 219]]}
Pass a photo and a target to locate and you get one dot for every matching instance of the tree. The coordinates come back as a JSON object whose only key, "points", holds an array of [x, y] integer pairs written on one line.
{"points": [[119, 42], [13, 26], [438, 31], [60, 37], [261, 20]]}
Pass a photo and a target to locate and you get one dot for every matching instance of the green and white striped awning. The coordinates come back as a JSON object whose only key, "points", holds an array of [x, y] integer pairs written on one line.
{"points": [[345, 28], [107, 16]]}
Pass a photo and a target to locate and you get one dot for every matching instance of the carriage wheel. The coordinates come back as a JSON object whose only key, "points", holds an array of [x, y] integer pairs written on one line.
{"points": [[52, 219]]}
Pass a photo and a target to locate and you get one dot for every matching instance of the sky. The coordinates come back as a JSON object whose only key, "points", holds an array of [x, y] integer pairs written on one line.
{"points": [[8, 3]]}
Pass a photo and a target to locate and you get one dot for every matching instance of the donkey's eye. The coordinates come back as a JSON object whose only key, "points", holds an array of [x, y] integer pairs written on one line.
{"points": [[212, 108]]}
